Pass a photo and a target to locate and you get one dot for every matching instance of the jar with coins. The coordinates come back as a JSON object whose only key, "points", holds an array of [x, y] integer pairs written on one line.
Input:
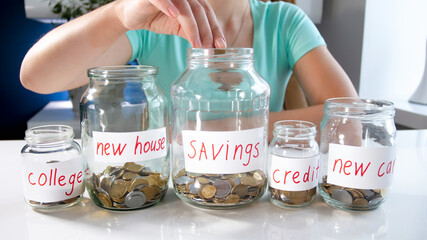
{"points": [[125, 137], [358, 152], [220, 108], [294, 164], [53, 168]]}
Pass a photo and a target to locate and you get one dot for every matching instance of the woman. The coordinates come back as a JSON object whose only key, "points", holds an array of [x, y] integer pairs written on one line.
{"points": [[283, 38]]}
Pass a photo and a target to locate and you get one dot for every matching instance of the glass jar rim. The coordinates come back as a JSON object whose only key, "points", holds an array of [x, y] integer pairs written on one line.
{"points": [[122, 71], [220, 55], [296, 129], [49, 134], [358, 107]]}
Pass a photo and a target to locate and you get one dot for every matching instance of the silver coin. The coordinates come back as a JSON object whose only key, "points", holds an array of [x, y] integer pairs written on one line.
{"points": [[184, 180], [135, 199], [236, 180], [375, 201], [223, 188], [342, 196], [194, 188]]}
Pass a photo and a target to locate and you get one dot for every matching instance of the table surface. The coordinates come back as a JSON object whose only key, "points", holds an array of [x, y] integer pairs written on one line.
{"points": [[402, 216]]}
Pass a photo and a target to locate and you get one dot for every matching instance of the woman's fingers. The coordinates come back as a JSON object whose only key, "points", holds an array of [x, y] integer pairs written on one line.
{"points": [[203, 25], [188, 23], [217, 34], [167, 7]]}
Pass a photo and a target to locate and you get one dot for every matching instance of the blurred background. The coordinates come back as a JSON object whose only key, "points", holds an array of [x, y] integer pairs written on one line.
{"points": [[381, 45]]}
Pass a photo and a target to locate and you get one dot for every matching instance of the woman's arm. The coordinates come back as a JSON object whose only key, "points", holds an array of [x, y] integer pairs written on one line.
{"points": [[321, 78], [60, 59]]}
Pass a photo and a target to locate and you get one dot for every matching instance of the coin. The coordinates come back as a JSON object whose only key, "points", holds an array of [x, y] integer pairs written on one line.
{"points": [[104, 199], [202, 180], [250, 181], [360, 202], [232, 199], [130, 175], [133, 167], [342, 196], [208, 191], [135, 199], [223, 188], [137, 181], [183, 180], [240, 190], [118, 188], [149, 192]]}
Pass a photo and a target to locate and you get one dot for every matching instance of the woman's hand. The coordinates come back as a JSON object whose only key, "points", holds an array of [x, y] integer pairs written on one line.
{"points": [[193, 20]]}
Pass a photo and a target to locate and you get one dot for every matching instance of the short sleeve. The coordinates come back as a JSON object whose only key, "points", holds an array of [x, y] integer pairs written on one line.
{"points": [[301, 35], [135, 40]]}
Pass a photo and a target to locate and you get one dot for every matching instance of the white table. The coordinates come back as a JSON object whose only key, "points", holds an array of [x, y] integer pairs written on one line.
{"points": [[402, 216]]}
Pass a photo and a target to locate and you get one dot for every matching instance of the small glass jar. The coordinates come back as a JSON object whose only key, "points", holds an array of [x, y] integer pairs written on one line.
{"points": [[358, 152], [125, 137], [294, 164], [220, 108], [53, 173]]}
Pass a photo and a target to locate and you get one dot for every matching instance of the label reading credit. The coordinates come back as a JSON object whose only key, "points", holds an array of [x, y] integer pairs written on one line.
{"points": [[293, 174]]}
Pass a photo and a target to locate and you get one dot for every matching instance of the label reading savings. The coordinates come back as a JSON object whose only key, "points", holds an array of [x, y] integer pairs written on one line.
{"points": [[223, 152]]}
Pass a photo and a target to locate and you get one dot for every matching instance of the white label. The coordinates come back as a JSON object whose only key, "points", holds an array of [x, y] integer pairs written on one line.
{"points": [[223, 152], [293, 174], [120, 147], [52, 182], [361, 167]]}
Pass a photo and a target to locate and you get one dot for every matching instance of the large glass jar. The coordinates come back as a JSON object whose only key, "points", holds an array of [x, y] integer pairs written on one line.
{"points": [[53, 170], [220, 108], [293, 164], [358, 152], [125, 137]]}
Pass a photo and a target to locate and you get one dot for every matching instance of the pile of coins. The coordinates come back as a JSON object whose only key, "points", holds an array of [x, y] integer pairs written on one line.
{"points": [[292, 198], [131, 186], [220, 190], [57, 204], [352, 197]]}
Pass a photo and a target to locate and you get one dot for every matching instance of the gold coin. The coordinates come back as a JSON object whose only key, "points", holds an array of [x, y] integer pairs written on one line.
{"points": [[149, 192], [130, 175], [153, 180], [119, 173], [133, 167], [108, 170], [233, 198], [104, 199], [71, 200], [119, 200], [202, 180], [360, 202], [258, 175], [181, 173], [138, 181], [250, 181], [106, 183], [118, 189], [208, 191], [240, 190], [298, 197]]}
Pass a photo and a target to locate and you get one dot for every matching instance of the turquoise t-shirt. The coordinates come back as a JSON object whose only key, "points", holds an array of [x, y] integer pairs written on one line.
{"points": [[282, 35]]}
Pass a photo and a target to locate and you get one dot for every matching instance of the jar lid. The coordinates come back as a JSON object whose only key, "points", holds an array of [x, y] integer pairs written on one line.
{"points": [[358, 107], [49, 134]]}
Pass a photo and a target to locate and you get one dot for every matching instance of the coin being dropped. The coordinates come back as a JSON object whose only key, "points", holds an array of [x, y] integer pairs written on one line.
{"points": [[342, 196], [223, 188], [135, 199]]}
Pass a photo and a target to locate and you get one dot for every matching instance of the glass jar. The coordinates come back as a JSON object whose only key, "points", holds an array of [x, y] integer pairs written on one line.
{"points": [[220, 108], [358, 152], [125, 137], [53, 168], [293, 164]]}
